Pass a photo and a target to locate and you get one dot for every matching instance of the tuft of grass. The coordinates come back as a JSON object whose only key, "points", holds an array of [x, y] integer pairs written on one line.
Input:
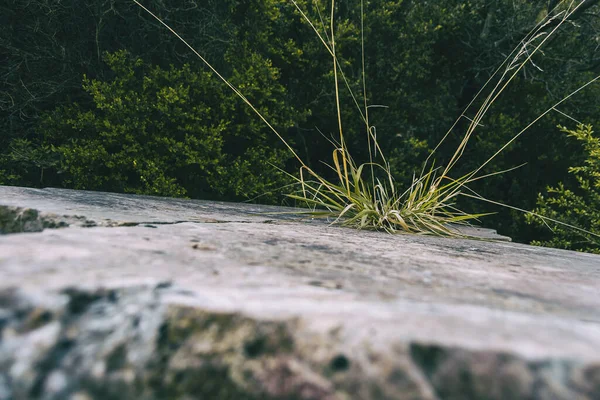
{"points": [[364, 195]]}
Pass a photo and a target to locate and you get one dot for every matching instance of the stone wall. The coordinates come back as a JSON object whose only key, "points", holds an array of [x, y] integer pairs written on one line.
{"points": [[106, 296]]}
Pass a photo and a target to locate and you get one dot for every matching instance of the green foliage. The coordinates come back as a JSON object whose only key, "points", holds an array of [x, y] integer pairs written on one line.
{"points": [[580, 206], [46, 48], [170, 132], [27, 162], [424, 62]]}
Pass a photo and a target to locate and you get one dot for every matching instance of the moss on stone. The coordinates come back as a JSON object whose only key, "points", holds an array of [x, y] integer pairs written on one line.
{"points": [[231, 343]]}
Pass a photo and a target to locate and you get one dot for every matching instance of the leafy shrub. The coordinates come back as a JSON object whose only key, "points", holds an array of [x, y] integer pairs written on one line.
{"points": [[171, 132], [579, 207], [27, 163]]}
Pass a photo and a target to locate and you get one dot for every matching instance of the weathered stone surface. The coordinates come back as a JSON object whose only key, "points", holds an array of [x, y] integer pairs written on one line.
{"points": [[147, 298]]}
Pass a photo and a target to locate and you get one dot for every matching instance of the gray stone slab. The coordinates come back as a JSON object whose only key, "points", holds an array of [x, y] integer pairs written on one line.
{"points": [[63, 206], [174, 305]]}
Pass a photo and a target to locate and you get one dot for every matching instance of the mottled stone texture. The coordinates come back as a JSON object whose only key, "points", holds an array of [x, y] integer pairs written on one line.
{"points": [[146, 298]]}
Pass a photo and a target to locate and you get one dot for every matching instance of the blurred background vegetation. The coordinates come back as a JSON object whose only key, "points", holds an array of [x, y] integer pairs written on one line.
{"points": [[96, 95]]}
